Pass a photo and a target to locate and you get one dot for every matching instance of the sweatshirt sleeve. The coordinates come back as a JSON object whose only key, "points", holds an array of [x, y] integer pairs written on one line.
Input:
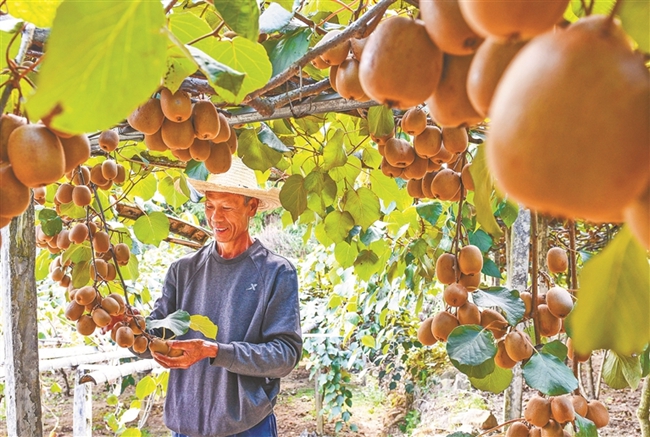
{"points": [[281, 348]]}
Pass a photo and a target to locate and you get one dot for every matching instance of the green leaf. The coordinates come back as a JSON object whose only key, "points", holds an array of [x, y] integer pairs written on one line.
{"points": [[495, 382], [223, 78], [430, 211], [293, 195], [132, 432], [471, 345], [43, 261], [288, 50], [151, 228], [622, 372], [73, 211], [509, 212], [55, 388], [490, 268], [51, 223], [274, 18], [41, 13], [369, 341], [481, 240], [507, 300], [556, 348], [614, 302], [242, 16], [635, 16], [338, 225], [122, 53], [172, 196], [132, 271], [482, 194], [481, 371], [77, 253], [112, 400], [145, 387], [196, 170], [344, 253], [269, 138], [178, 322], [323, 185], [204, 325], [546, 373], [586, 428], [645, 362], [80, 274], [366, 264], [380, 121], [334, 151], [255, 154], [363, 205]]}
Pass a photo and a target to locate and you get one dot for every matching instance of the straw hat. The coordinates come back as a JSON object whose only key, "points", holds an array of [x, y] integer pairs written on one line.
{"points": [[239, 180]]}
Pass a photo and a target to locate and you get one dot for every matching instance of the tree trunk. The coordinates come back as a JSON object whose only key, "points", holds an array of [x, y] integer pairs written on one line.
{"points": [[19, 301], [643, 413]]}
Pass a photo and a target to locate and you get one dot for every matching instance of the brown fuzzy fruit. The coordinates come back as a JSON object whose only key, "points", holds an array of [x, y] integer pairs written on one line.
{"points": [[337, 54], [76, 150], [319, 63], [470, 260], [426, 185], [347, 81], [455, 295], [121, 175], [205, 119], [78, 233], [159, 346], [200, 150], [137, 324], [101, 317], [98, 269], [417, 169], [232, 143], [81, 176], [356, 47], [538, 411], [220, 158], [535, 432], [85, 295], [637, 217], [36, 155], [442, 324], [224, 130], [446, 268], [176, 107], [446, 184], [573, 355], [8, 123], [14, 194], [494, 322], [64, 193], [469, 314], [414, 188], [63, 239], [557, 260], [511, 21], [122, 253], [517, 429], [552, 429], [148, 117], [120, 301], [502, 359], [466, 177], [109, 169], [427, 144], [518, 345], [470, 282], [332, 77], [96, 175], [111, 274], [399, 153], [182, 154], [425, 336], [177, 135], [101, 242], [535, 164], [124, 337], [549, 325], [389, 170], [449, 104], [81, 195], [73, 311], [154, 142], [108, 140], [562, 409], [455, 139], [488, 65], [110, 306], [85, 325], [559, 301], [447, 27], [414, 122], [140, 344], [528, 302], [580, 405], [401, 66], [443, 156]]}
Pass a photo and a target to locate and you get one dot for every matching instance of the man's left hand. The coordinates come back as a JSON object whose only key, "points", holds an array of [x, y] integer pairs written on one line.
{"points": [[187, 352]]}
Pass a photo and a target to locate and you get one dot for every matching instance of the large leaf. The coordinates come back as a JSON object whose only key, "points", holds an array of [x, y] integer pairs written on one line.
{"points": [[274, 18], [557, 348], [481, 371], [366, 264], [346, 254], [178, 322], [103, 60], [293, 195], [152, 228], [145, 387], [269, 138], [40, 13], [363, 204], [430, 211], [546, 373], [334, 151], [380, 121], [173, 197], [338, 225], [622, 372], [586, 428], [471, 345], [508, 300], [289, 49], [495, 382], [482, 194], [222, 77], [204, 325], [51, 223], [254, 153], [242, 16], [490, 268], [635, 16], [481, 240], [323, 185], [614, 299]]}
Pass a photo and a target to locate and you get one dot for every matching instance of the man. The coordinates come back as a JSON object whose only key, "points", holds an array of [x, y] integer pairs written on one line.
{"points": [[228, 387]]}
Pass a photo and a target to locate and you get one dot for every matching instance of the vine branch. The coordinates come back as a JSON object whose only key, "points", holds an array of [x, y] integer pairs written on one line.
{"points": [[26, 38], [534, 237]]}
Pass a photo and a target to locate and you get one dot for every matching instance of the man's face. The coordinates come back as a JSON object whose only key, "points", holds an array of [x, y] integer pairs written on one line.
{"points": [[228, 215]]}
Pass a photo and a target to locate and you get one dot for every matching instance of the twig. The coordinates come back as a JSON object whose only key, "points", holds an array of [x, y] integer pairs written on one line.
{"points": [[520, 419], [310, 23], [169, 6], [535, 268], [309, 90], [26, 38], [615, 9], [207, 35]]}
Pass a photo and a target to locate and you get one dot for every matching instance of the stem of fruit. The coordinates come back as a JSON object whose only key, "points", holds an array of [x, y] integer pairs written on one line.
{"points": [[459, 217], [615, 9], [535, 269], [90, 234], [520, 419], [26, 38], [573, 284]]}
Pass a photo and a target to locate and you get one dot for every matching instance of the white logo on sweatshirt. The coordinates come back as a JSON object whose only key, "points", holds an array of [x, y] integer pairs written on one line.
{"points": [[253, 287]]}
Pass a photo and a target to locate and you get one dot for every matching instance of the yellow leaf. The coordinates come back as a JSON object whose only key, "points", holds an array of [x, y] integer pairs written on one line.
{"points": [[204, 325]]}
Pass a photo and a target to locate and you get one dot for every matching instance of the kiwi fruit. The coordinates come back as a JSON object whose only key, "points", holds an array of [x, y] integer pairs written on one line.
{"points": [[332, 77], [401, 66], [562, 409], [389, 170], [347, 80], [528, 302], [46, 158], [85, 295], [580, 405], [148, 117], [414, 188], [637, 217], [76, 150], [466, 177], [538, 411], [417, 169], [433, 166], [535, 432], [108, 140], [559, 301], [552, 429], [414, 121], [124, 337], [382, 139], [57, 274], [399, 153], [446, 268], [220, 158], [356, 47], [120, 177], [469, 314], [81, 177], [15, 195], [427, 144], [512, 21], [8, 123], [425, 336], [557, 260], [455, 295], [494, 322], [111, 273], [158, 345], [442, 324], [232, 142], [549, 325], [73, 311], [78, 233], [63, 239], [455, 139], [449, 105], [224, 130], [446, 184], [109, 169], [101, 242], [319, 63], [443, 156], [447, 28], [63, 193], [140, 344], [503, 360], [205, 119], [97, 176], [470, 282], [39, 193], [576, 356], [182, 154], [517, 429], [177, 135], [137, 324], [120, 301], [101, 317], [589, 56], [154, 142], [85, 325], [486, 69], [81, 195], [176, 107], [470, 260], [98, 269], [122, 253], [200, 150], [426, 184], [337, 54], [110, 306], [518, 345]]}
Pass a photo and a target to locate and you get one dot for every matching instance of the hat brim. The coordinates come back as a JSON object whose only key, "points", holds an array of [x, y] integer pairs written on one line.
{"points": [[269, 199]]}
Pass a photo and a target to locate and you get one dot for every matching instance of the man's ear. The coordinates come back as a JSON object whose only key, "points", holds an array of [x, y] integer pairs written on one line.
{"points": [[254, 204]]}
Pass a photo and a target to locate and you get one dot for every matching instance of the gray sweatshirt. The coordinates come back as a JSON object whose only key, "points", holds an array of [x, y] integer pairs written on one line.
{"points": [[253, 299]]}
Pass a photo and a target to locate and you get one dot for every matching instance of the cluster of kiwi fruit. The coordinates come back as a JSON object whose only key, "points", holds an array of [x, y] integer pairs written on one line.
{"points": [[189, 130], [547, 417]]}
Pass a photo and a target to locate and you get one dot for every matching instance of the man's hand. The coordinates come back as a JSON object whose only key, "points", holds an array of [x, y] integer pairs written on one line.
{"points": [[187, 352]]}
